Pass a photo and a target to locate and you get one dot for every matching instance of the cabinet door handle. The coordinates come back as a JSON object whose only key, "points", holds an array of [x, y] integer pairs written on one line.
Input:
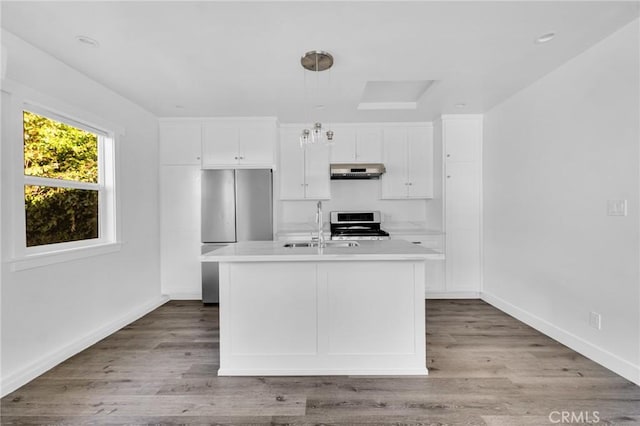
{"points": [[448, 155], [236, 157], [448, 176], [197, 158]]}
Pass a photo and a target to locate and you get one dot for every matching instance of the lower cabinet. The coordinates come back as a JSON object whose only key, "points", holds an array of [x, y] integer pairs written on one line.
{"points": [[434, 269], [463, 260]]}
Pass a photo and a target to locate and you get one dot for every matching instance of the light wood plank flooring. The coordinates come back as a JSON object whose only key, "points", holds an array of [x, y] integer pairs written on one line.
{"points": [[486, 368]]}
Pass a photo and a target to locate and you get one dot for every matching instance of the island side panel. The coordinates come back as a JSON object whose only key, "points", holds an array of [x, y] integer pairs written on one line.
{"points": [[267, 314], [370, 309], [306, 318]]}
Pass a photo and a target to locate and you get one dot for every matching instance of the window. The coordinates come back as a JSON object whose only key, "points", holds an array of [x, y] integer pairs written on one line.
{"points": [[68, 183]]}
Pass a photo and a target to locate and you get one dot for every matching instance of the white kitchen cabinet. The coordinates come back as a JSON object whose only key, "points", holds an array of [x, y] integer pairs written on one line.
{"points": [[303, 172], [462, 222], [238, 143], [369, 145], [461, 138], [462, 146], [357, 144], [394, 181], [344, 145], [258, 143], [316, 172], [291, 168], [434, 268], [408, 158], [180, 231], [420, 162], [180, 142]]}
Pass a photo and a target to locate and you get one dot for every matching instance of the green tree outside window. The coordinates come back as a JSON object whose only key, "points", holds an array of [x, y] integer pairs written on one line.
{"points": [[60, 151]]}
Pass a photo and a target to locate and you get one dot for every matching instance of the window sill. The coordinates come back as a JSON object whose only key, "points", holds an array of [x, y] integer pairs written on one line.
{"points": [[59, 256]]}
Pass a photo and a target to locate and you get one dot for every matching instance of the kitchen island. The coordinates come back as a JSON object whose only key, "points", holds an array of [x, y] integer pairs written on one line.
{"points": [[334, 310]]}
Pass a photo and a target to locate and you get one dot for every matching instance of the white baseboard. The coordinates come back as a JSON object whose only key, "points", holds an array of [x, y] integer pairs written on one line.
{"points": [[323, 372], [603, 357], [185, 296], [25, 375], [453, 295]]}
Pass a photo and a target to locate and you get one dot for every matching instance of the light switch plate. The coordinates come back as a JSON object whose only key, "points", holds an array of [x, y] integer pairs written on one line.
{"points": [[595, 320], [616, 207]]}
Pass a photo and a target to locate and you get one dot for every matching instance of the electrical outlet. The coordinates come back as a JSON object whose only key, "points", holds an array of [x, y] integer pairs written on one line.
{"points": [[616, 207], [595, 320]]}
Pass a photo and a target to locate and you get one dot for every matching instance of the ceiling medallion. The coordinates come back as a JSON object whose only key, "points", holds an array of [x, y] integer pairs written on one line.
{"points": [[317, 60]]}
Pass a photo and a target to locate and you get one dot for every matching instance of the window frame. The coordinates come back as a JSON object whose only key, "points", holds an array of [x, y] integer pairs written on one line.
{"points": [[105, 205], [16, 99]]}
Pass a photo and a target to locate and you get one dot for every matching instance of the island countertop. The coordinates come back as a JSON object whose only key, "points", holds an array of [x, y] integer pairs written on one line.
{"points": [[275, 251]]}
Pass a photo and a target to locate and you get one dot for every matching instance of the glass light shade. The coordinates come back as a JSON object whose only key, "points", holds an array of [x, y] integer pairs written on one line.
{"points": [[305, 137]]}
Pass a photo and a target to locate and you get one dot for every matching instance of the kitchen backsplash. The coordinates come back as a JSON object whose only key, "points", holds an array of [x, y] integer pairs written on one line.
{"points": [[355, 195]]}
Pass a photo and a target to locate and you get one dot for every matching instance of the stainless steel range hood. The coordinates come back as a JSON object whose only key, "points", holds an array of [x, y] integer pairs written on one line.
{"points": [[357, 170]]}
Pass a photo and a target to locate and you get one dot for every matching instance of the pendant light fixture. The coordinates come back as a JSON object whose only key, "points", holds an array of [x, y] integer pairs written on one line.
{"points": [[316, 61]]}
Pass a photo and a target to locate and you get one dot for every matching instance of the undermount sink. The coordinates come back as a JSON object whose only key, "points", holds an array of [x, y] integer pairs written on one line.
{"points": [[326, 244]]}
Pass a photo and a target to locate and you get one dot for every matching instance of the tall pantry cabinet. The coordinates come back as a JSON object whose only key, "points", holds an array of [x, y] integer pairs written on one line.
{"points": [[461, 137], [180, 164]]}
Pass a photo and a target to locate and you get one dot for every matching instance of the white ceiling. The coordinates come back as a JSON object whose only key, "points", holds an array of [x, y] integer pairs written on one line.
{"points": [[242, 59]]}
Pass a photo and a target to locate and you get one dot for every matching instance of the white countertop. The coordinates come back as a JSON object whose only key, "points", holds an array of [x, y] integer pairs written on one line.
{"points": [[274, 251]]}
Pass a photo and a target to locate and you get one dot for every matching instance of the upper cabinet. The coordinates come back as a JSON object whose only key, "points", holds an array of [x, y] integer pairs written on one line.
{"points": [[357, 144], [461, 138], [369, 145], [343, 147], [303, 172], [180, 142], [406, 150], [239, 143], [407, 153]]}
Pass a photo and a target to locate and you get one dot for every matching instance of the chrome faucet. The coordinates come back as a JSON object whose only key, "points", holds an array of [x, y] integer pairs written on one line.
{"points": [[319, 221]]}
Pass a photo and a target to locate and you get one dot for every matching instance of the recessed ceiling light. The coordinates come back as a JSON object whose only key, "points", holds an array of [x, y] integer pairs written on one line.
{"points": [[179, 106], [461, 105], [87, 41], [545, 38]]}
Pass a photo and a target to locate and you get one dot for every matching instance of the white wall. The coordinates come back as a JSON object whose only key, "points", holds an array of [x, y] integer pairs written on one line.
{"points": [[50, 312], [554, 154]]}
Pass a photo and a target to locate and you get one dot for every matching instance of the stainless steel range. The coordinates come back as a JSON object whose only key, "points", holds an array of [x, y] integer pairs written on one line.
{"points": [[357, 226]]}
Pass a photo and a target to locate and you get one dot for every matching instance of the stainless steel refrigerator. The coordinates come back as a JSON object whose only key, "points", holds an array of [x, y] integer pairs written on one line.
{"points": [[236, 206]]}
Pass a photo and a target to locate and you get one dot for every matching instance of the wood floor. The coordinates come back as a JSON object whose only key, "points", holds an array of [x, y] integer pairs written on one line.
{"points": [[486, 368]]}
